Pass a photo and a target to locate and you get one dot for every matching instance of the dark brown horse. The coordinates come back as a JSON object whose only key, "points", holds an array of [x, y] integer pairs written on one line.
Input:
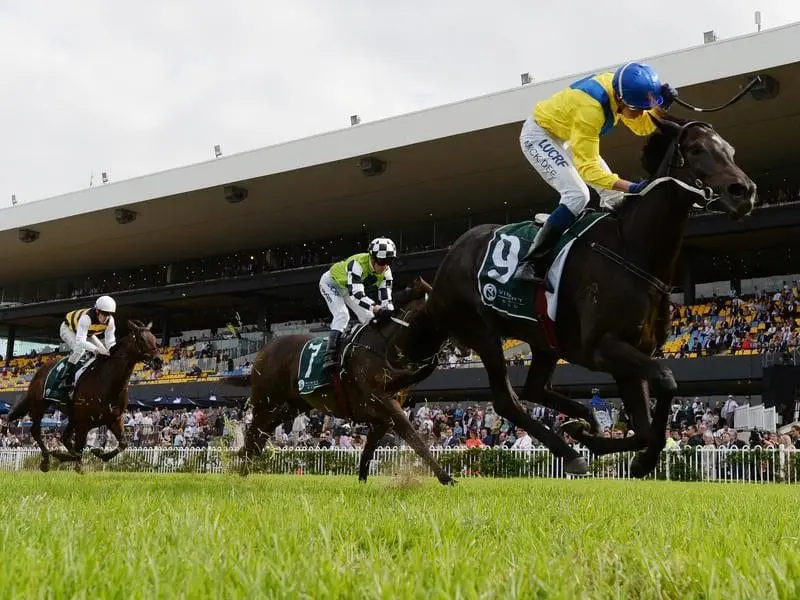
{"points": [[613, 310], [100, 396], [375, 373]]}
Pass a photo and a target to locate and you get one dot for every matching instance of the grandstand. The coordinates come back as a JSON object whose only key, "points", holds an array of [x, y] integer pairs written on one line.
{"points": [[257, 229]]}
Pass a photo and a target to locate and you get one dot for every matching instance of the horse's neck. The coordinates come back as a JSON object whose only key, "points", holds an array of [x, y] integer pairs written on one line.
{"points": [[420, 340], [653, 231], [122, 364]]}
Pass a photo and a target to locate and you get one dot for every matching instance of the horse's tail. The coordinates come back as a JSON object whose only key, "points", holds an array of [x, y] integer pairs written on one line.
{"points": [[238, 380]]}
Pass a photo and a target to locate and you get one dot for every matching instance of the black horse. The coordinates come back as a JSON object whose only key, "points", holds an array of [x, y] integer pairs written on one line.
{"points": [[613, 311]]}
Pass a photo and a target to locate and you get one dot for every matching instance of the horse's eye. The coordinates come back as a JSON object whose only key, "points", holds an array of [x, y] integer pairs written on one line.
{"points": [[694, 150]]}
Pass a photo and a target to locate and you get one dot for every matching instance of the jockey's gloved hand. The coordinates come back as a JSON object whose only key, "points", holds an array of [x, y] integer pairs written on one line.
{"points": [[636, 188], [384, 314], [669, 94]]}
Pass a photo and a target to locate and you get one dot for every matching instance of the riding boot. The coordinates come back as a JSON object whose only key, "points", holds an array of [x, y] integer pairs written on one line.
{"points": [[533, 266], [66, 383], [332, 353]]}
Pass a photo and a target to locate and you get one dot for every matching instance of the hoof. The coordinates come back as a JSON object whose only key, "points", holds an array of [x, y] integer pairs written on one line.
{"points": [[97, 452], [576, 466], [637, 469], [44, 466], [362, 480], [448, 481]]}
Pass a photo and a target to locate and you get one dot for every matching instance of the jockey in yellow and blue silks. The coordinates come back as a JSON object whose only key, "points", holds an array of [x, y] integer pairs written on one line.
{"points": [[561, 139]]}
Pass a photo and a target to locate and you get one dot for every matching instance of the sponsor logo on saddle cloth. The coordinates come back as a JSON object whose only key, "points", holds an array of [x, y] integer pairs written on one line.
{"points": [[496, 283], [54, 376]]}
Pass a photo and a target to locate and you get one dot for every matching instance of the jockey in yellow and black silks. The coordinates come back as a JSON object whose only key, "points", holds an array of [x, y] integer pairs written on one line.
{"points": [[561, 139], [80, 330]]}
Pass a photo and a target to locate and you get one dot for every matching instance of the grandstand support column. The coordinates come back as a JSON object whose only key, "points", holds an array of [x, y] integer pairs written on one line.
{"points": [[12, 337], [687, 280], [165, 328], [263, 319], [736, 285]]}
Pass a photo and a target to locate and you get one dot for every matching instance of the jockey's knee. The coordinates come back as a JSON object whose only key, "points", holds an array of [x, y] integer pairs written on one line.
{"points": [[575, 200], [340, 320]]}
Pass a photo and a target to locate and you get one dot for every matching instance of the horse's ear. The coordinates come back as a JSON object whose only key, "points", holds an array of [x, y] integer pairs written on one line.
{"points": [[149, 325], [665, 125], [132, 325]]}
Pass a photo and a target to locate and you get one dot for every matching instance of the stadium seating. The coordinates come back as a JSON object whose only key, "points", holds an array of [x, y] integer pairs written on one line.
{"points": [[719, 326]]}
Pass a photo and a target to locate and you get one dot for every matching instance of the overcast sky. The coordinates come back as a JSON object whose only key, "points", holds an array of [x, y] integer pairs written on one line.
{"points": [[137, 87]]}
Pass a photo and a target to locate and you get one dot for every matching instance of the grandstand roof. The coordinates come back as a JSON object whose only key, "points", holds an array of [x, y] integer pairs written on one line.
{"points": [[440, 161]]}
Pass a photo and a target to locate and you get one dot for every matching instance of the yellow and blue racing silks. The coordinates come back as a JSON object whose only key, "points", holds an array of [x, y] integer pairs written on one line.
{"points": [[579, 115]]}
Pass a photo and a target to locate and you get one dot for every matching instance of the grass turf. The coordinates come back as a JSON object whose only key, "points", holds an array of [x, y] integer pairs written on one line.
{"points": [[194, 536]]}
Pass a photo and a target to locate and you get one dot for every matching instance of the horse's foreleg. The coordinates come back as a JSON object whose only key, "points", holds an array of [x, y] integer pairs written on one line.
{"points": [[625, 362], [508, 406], [537, 389], [116, 427], [406, 431], [376, 432]]}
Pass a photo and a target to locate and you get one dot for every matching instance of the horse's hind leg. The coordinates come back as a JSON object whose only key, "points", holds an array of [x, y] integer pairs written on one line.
{"points": [[404, 428], [266, 416], [537, 389], [376, 432], [508, 406], [634, 396], [81, 432], [36, 433], [625, 362], [66, 440]]}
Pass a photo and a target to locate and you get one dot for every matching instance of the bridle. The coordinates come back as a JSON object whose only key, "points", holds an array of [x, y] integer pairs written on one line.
{"points": [[387, 342], [674, 160]]}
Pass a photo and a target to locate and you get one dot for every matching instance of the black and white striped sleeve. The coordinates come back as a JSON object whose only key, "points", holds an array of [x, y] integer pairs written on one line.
{"points": [[385, 290], [355, 285]]}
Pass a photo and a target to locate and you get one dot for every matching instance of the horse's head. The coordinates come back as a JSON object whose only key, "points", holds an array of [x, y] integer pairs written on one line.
{"points": [[413, 297], [693, 153], [145, 345], [389, 336]]}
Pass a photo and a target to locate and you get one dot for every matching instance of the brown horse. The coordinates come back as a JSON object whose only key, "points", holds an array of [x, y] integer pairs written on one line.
{"points": [[100, 396], [374, 373]]}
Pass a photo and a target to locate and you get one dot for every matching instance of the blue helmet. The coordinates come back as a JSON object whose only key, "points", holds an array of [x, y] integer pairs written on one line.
{"points": [[634, 83]]}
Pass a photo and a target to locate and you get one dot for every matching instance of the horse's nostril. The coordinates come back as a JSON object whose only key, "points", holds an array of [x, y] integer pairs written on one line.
{"points": [[738, 190]]}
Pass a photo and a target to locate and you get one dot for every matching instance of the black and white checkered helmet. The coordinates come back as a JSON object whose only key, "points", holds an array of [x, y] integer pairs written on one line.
{"points": [[382, 249]]}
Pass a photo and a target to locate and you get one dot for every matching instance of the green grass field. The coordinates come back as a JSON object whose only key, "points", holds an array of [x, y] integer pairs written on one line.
{"points": [[204, 536]]}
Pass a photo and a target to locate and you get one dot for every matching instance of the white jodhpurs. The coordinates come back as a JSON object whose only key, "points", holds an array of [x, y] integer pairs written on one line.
{"points": [[553, 160], [338, 302], [68, 337]]}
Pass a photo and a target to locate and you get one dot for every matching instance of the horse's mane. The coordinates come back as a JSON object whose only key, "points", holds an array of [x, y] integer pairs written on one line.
{"points": [[652, 154]]}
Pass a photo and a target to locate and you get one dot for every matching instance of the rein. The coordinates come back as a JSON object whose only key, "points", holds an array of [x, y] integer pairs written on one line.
{"points": [[753, 82], [673, 160], [387, 343]]}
